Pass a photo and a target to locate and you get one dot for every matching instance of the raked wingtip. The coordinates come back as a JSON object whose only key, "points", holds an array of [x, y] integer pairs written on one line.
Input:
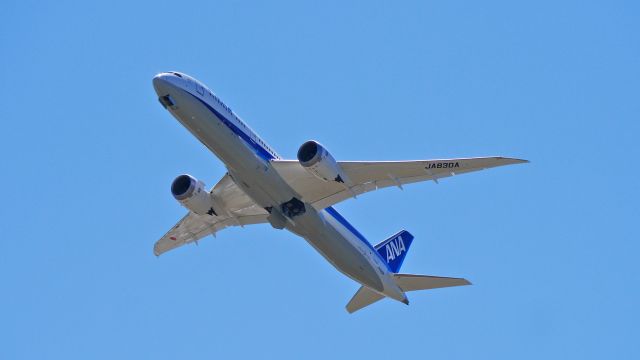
{"points": [[515, 160]]}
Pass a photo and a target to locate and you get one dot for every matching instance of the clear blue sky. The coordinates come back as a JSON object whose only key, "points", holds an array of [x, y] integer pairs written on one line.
{"points": [[88, 155]]}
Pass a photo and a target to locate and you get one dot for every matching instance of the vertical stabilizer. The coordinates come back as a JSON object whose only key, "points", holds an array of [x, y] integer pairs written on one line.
{"points": [[394, 249]]}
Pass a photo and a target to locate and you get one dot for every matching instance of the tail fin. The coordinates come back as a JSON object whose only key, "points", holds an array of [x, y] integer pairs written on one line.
{"points": [[394, 249]]}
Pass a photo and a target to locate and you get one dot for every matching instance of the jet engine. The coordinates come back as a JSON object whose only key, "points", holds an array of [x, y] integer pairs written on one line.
{"points": [[319, 162], [191, 194]]}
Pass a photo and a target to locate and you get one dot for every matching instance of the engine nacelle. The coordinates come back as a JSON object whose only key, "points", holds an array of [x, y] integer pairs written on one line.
{"points": [[191, 194], [319, 162]]}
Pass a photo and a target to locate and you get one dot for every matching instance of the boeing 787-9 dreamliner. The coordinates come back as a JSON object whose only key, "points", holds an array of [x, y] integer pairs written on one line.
{"points": [[297, 195]]}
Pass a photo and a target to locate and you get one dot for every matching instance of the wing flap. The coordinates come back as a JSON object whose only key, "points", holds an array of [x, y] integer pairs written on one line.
{"points": [[193, 227]]}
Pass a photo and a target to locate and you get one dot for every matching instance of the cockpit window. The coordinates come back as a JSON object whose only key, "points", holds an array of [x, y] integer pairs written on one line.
{"points": [[177, 74]]}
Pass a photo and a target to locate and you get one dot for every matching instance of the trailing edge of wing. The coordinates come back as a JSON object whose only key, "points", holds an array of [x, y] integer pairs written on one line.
{"points": [[193, 227]]}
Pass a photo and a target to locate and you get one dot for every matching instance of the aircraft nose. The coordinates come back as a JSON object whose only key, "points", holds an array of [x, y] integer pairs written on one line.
{"points": [[161, 83]]}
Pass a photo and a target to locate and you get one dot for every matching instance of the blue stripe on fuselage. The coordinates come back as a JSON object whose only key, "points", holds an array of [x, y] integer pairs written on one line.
{"points": [[336, 215], [257, 148]]}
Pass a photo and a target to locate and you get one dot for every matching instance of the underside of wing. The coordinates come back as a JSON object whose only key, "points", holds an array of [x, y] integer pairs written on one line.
{"points": [[372, 175], [239, 210]]}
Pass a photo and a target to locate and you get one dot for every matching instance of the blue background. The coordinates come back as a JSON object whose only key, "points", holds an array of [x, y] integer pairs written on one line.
{"points": [[88, 155]]}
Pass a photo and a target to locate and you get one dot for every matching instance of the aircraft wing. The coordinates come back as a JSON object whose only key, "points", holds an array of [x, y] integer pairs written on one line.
{"points": [[372, 175], [240, 210]]}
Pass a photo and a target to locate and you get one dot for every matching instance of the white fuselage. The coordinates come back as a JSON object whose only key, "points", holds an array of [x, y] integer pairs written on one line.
{"points": [[247, 158]]}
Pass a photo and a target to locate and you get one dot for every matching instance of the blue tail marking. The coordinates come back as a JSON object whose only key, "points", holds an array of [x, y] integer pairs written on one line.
{"points": [[394, 249]]}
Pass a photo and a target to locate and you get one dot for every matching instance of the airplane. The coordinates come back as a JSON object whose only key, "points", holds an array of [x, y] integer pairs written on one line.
{"points": [[297, 195]]}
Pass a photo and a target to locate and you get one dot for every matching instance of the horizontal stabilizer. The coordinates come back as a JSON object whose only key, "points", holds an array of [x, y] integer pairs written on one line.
{"points": [[364, 297], [410, 282]]}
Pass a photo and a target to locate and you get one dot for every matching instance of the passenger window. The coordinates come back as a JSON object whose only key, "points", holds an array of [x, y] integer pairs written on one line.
{"points": [[200, 89]]}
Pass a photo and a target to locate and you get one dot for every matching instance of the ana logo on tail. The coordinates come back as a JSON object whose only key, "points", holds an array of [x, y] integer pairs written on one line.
{"points": [[394, 248]]}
